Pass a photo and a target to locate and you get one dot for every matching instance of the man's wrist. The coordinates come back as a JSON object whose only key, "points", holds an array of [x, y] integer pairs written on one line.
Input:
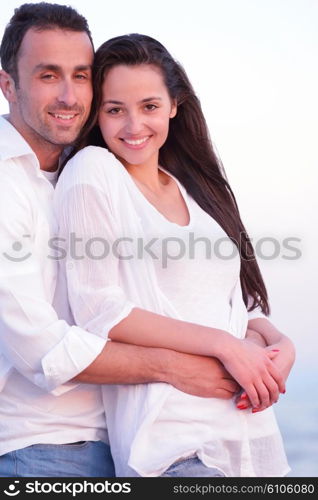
{"points": [[163, 365]]}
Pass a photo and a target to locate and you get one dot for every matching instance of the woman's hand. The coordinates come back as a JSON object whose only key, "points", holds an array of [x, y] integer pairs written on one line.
{"points": [[254, 370], [283, 359]]}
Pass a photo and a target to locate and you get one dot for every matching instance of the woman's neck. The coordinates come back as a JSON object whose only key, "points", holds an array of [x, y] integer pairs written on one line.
{"points": [[149, 176]]}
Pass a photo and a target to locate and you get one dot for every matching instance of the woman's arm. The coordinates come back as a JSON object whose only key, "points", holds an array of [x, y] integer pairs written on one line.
{"points": [[248, 363], [276, 340], [256, 337]]}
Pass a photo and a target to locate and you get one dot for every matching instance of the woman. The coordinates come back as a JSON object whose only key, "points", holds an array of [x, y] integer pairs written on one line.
{"points": [[147, 201]]}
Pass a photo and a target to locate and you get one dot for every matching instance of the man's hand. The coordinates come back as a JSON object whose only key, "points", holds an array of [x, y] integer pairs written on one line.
{"points": [[201, 376]]}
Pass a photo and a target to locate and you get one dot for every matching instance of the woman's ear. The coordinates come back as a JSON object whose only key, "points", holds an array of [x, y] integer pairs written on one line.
{"points": [[7, 86], [174, 108]]}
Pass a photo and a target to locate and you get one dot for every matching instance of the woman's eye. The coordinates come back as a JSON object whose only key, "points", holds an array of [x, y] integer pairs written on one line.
{"points": [[113, 111], [151, 107]]}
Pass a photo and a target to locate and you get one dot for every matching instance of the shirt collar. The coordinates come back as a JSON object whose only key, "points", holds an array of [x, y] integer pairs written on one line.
{"points": [[12, 144]]}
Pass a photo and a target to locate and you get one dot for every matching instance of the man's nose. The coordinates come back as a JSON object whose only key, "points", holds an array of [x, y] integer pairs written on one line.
{"points": [[67, 94]]}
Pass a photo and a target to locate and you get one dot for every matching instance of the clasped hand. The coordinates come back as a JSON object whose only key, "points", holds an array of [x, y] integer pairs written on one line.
{"points": [[282, 356], [255, 370]]}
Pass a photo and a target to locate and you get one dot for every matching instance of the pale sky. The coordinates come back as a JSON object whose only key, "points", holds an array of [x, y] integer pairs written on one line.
{"points": [[254, 66]]}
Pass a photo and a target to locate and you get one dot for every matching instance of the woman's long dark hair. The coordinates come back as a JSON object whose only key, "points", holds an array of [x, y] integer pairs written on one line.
{"points": [[188, 153]]}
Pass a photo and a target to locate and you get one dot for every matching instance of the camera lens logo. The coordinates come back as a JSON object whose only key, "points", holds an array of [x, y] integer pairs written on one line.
{"points": [[17, 246], [12, 489]]}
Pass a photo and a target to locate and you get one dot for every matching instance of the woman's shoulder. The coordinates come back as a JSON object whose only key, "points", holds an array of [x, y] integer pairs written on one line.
{"points": [[92, 157], [90, 165], [92, 152]]}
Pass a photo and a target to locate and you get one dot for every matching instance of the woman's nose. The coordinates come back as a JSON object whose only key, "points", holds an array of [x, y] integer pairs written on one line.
{"points": [[134, 124]]}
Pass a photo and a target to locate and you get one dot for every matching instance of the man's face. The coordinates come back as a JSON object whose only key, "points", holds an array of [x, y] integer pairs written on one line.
{"points": [[54, 93]]}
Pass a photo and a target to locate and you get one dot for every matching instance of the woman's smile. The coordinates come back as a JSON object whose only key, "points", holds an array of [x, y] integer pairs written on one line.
{"points": [[136, 143]]}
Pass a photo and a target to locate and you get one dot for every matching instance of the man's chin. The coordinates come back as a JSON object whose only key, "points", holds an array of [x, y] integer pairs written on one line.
{"points": [[63, 139]]}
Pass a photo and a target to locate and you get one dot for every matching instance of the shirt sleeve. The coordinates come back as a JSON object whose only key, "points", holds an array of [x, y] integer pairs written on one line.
{"points": [[44, 349], [255, 313], [89, 229]]}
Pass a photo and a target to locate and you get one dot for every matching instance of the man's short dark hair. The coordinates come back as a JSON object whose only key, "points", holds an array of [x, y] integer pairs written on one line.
{"points": [[39, 16]]}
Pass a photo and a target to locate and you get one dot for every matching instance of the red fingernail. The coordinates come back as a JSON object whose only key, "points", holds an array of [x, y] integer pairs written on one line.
{"points": [[241, 407], [244, 396], [255, 410], [275, 350]]}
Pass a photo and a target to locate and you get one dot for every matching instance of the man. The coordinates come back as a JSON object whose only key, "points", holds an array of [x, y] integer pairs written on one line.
{"points": [[52, 419]]}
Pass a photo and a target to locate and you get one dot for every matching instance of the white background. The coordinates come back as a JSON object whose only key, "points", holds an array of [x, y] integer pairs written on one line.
{"points": [[254, 65]]}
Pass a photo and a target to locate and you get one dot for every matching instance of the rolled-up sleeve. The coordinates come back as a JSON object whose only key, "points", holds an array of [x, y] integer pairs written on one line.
{"points": [[43, 348]]}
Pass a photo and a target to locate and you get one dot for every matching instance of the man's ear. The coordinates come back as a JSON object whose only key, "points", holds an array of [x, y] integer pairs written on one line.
{"points": [[7, 86], [174, 108]]}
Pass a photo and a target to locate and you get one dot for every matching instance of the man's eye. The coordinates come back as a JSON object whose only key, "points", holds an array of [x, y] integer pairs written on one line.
{"points": [[48, 76], [81, 76]]}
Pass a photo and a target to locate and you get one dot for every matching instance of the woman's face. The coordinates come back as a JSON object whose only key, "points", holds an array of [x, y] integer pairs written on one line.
{"points": [[135, 113]]}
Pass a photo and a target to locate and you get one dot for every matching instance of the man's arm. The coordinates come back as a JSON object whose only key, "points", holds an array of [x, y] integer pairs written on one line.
{"points": [[44, 349], [127, 364]]}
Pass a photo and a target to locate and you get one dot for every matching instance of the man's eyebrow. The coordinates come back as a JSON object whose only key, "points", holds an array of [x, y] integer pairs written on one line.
{"points": [[83, 67], [56, 68], [147, 99]]}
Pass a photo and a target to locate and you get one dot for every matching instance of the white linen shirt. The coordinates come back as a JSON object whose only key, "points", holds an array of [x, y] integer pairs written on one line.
{"points": [[39, 353], [97, 200]]}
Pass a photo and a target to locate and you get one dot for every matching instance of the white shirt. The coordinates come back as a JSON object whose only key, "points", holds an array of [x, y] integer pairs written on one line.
{"points": [[51, 176], [152, 425], [39, 353]]}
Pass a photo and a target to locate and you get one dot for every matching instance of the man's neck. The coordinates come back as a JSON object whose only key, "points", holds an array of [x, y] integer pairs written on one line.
{"points": [[49, 161]]}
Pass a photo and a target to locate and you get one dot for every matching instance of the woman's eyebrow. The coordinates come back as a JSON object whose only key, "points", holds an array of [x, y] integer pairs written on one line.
{"points": [[111, 101], [147, 99], [153, 98]]}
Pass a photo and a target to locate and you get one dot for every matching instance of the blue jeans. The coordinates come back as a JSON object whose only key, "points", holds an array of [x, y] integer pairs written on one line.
{"points": [[191, 467], [83, 459]]}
